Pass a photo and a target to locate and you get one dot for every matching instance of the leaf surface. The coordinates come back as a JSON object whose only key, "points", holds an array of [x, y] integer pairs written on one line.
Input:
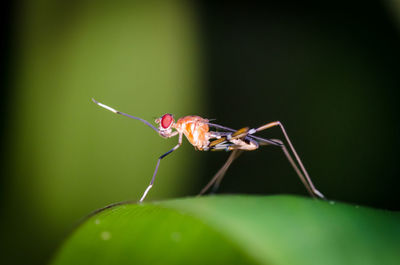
{"points": [[238, 229]]}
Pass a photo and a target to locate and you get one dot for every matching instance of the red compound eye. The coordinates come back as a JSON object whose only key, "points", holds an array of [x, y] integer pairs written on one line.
{"points": [[166, 120]]}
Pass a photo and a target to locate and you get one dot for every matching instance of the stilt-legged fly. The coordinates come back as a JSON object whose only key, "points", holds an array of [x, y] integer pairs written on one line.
{"points": [[197, 130]]}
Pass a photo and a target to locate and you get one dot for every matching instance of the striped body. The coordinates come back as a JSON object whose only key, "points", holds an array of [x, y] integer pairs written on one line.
{"points": [[195, 129]]}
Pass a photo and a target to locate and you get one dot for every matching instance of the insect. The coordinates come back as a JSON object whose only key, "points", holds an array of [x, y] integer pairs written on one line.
{"points": [[197, 130]]}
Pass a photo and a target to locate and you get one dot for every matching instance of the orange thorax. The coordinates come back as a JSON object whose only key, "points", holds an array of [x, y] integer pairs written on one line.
{"points": [[195, 129]]}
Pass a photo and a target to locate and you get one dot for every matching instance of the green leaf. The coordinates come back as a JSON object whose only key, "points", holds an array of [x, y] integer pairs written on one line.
{"points": [[235, 230]]}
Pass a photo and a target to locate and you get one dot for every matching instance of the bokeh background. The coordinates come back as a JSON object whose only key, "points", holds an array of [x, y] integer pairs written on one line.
{"points": [[328, 71]]}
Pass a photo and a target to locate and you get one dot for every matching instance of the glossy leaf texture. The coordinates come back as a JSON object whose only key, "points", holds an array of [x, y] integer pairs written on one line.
{"points": [[235, 229]]}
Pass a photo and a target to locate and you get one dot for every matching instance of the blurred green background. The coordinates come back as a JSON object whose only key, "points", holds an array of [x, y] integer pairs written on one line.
{"points": [[330, 73]]}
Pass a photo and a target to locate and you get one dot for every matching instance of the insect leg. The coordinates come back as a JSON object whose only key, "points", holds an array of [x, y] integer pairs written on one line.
{"points": [[240, 144], [124, 114], [303, 174], [158, 163], [236, 142], [220, 174]]}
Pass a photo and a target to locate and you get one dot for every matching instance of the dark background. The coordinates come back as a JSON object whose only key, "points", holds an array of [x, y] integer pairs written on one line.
{"points": [[328, 72]]}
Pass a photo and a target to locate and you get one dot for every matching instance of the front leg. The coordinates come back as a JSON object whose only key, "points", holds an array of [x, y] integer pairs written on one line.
{"points": [[157, 165]]}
